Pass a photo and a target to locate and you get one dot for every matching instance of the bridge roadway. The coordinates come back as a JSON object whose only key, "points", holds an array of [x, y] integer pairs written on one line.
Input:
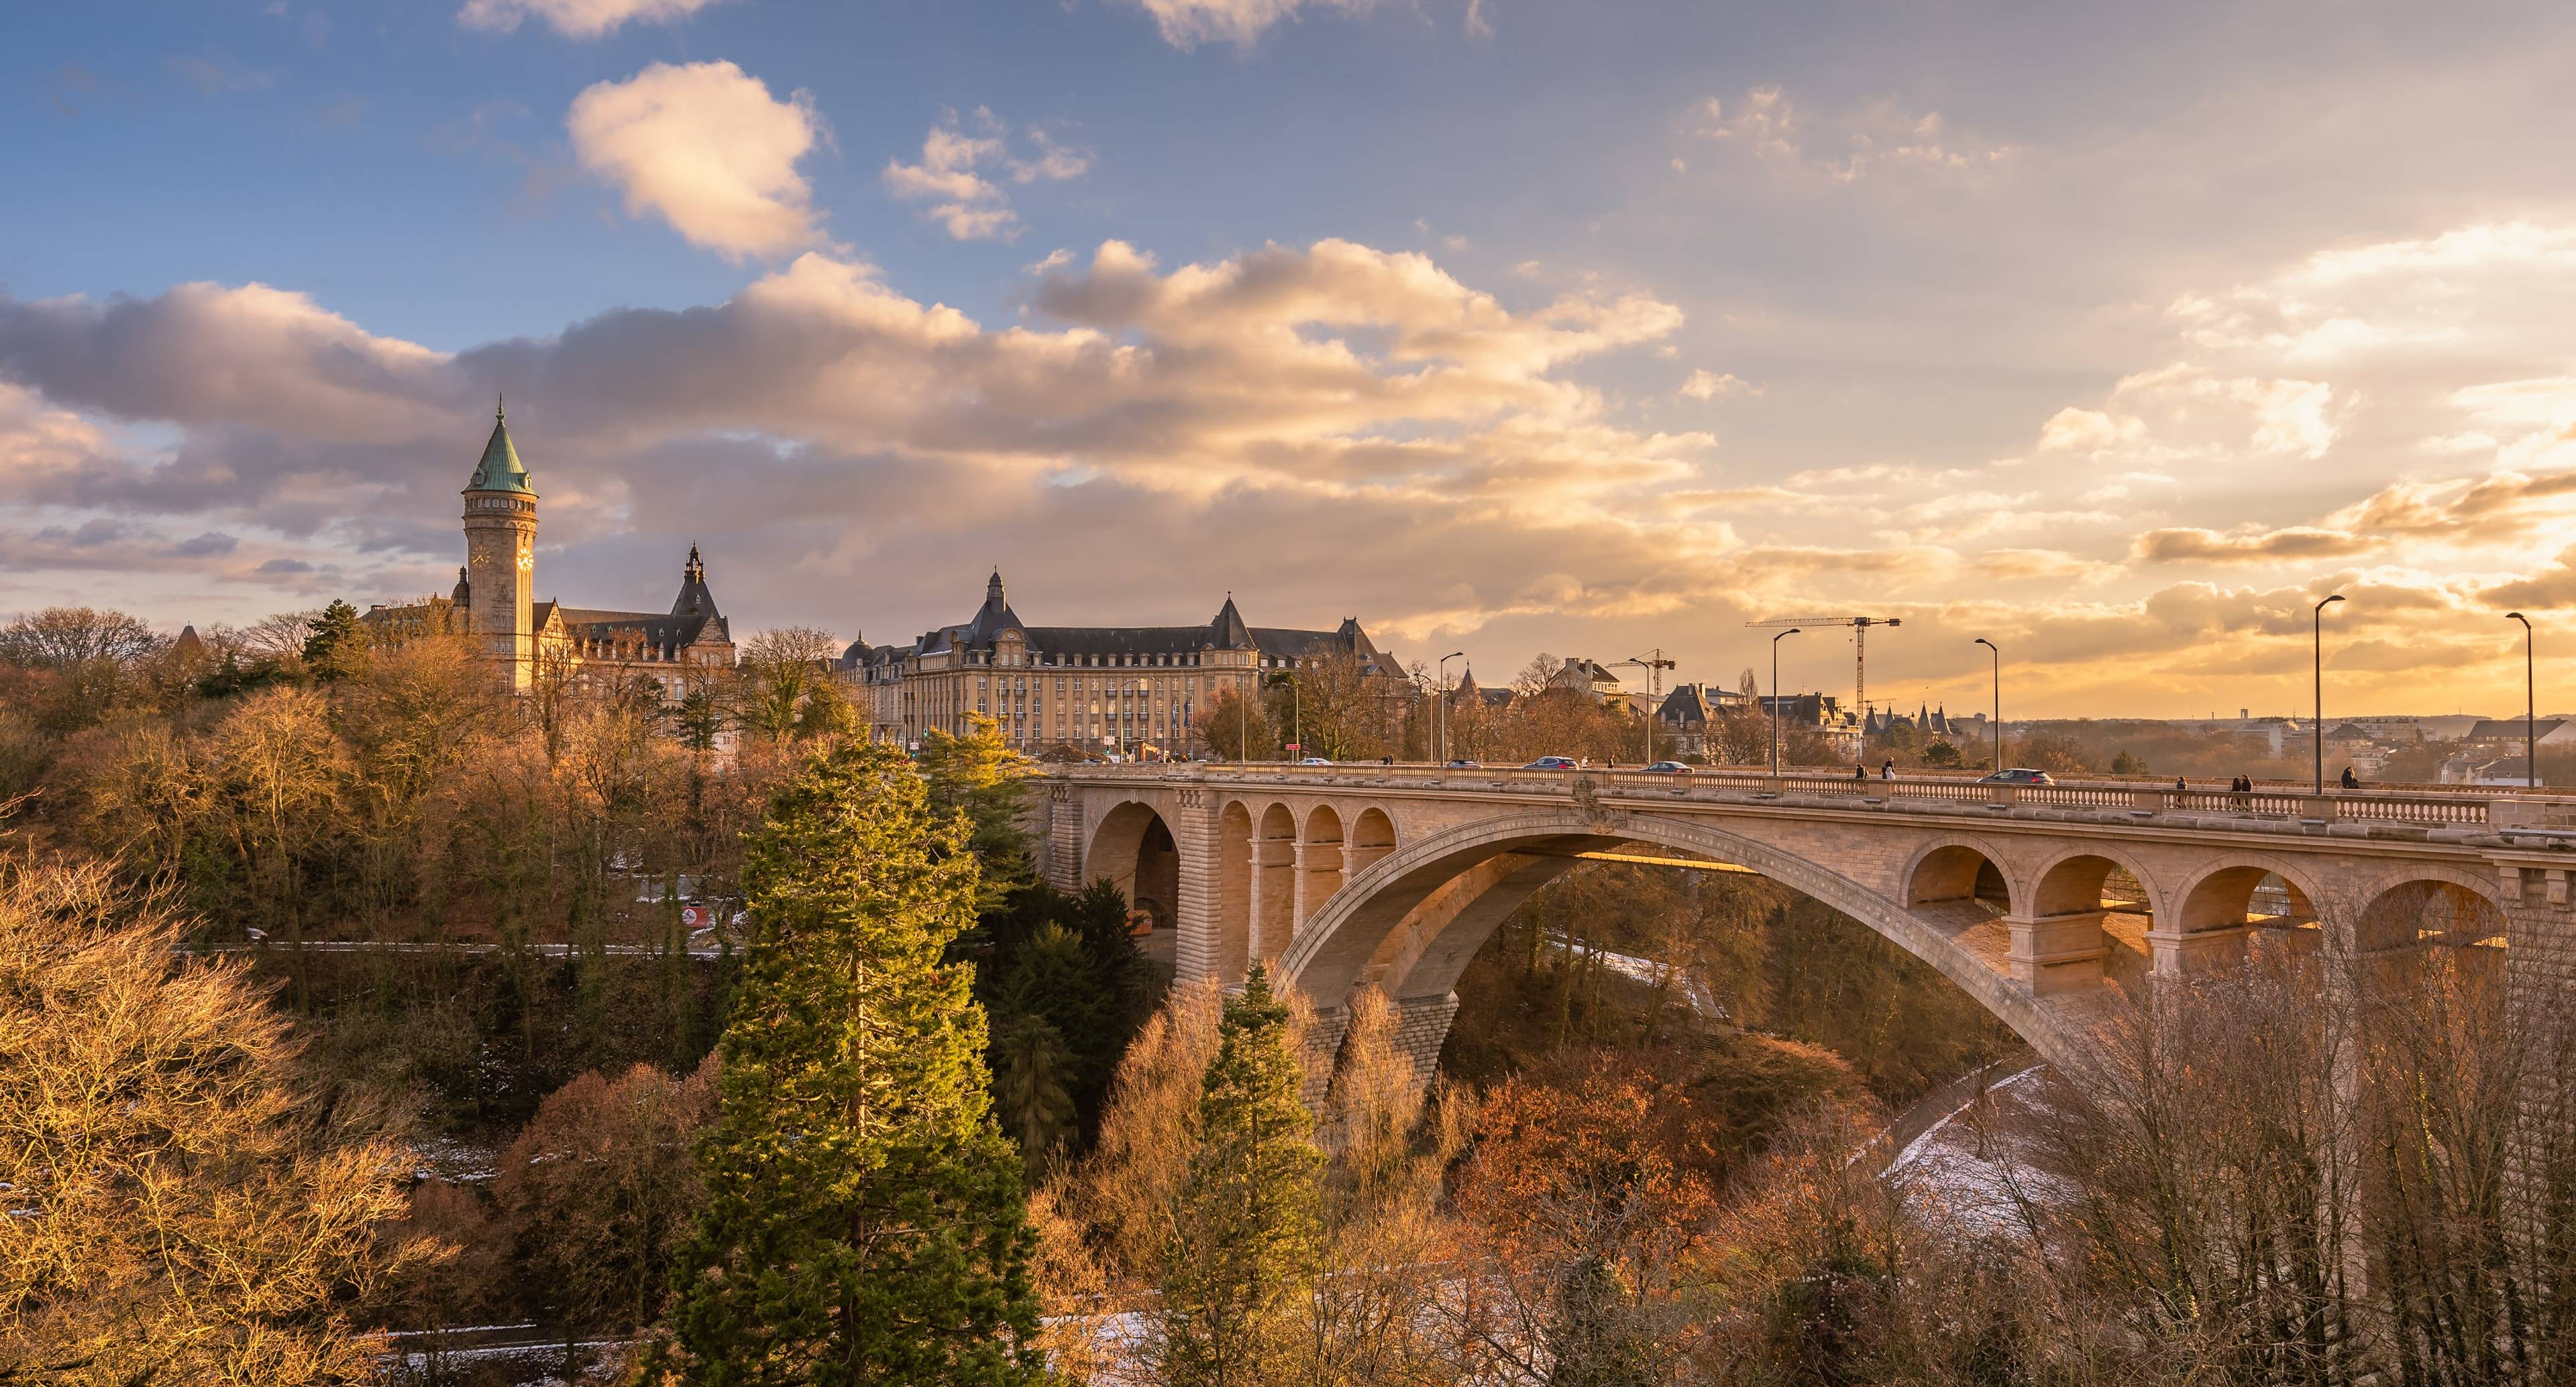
{"points": [[2038, 900]]}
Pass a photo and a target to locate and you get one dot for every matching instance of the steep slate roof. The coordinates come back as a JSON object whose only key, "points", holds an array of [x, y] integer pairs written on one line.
{"points": [[500, 470], [1225, 631], [1687, 706], [693, 616]]}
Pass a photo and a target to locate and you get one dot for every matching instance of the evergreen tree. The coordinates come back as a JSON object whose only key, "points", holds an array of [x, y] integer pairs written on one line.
{"points": [[1032, 1069], [864, 1219], [1247, 1233], [980, 776], [337, 647]]}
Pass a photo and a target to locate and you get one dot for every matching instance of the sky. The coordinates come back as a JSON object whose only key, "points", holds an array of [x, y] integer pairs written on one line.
{"points": [[2118, 335]]}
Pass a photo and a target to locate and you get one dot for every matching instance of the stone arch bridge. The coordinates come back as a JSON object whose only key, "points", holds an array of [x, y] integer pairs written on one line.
{"points": [[2037, 900]]}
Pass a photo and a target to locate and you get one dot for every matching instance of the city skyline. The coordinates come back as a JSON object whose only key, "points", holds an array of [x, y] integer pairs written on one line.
{"points": [[2117, 339]]}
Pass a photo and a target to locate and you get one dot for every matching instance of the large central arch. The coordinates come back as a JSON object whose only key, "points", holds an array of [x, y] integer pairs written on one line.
{"points": [[1411, 920]]}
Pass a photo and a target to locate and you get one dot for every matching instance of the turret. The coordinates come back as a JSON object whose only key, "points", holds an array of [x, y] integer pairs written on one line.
{"points": [[501, 556]]}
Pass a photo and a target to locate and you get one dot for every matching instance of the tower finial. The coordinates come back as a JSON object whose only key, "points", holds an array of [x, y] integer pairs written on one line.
{"points": [[497, 414]]}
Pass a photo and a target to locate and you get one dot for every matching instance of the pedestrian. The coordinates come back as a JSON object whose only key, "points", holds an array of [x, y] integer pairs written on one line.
{"points": [[2179, 785], [1859, 771], [1888, 771], [2350, 781]]}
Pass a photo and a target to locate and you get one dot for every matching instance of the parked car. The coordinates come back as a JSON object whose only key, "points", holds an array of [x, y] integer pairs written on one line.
{"points": [[2019, 775], [1668, 768], [1314, 761], [1553, 763], [1463, 764]]}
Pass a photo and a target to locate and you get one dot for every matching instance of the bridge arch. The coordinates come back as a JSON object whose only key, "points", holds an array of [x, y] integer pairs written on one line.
{"points": [[2427, 901], [2220, 894], [1230, 952], [1958, 867], [2072, 880], [1410, 922], [1133, 849]]}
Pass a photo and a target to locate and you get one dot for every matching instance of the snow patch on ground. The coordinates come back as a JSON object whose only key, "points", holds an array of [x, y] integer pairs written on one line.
{"points": [[1975, 1163]]}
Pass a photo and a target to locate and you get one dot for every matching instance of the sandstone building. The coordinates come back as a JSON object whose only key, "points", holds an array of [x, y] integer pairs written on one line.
{"points": [[1099, 688]]}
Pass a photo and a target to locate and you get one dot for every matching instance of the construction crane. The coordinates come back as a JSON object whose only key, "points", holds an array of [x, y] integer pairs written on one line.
{"points": [[1860, 647], [1654, 663]]}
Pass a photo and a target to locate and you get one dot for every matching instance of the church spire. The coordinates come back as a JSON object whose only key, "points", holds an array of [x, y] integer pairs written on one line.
{"points": [[695, 571], [500, 469]]}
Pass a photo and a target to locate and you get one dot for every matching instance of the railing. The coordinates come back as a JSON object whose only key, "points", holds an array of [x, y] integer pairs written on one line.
{"points": [[2441, 809]]}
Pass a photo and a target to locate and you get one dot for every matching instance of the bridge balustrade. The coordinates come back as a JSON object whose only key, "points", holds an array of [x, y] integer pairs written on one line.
{"points": [[2466, 806]]}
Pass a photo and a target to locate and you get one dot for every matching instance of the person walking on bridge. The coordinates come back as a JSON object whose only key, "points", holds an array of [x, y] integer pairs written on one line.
{"points": [[1888, 771], [2350, 781]]}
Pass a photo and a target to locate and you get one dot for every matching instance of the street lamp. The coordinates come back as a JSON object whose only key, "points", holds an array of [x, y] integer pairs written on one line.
{"points": [[1443, 756], [2530, 739], [1296, 708], [2317, 732], [1999, 699], [1775, 700]]}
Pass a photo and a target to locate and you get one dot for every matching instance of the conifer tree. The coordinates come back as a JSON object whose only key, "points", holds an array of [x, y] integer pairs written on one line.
{"points": [[337, 647], [980, 776], [864, 1220], [1247, 1232]]}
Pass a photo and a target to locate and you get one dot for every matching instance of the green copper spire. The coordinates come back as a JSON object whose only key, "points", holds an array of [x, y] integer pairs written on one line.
{"points": [[500, 469]]}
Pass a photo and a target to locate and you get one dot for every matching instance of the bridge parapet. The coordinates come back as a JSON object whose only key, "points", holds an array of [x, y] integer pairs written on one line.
{"points": [[2466, 806]]}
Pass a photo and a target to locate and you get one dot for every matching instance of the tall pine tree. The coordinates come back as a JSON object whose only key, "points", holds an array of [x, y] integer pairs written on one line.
{"points": [[864, 1221], [1247, 1235], [980, 776]]}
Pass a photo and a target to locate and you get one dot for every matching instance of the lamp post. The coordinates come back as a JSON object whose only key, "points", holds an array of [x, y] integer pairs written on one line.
{"points": [[2530, 737], [1775, 700], [1443, 754], [1296, 709], [2317, 731], [1998, 655]]}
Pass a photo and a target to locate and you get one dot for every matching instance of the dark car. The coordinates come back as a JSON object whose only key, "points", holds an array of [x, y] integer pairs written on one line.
{"points": [[1553, 763], [1668, 768], [1463, 764], [2019, 775]]}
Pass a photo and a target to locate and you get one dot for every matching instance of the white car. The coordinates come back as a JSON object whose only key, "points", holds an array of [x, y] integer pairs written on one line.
{"points": [[1315, 761]]}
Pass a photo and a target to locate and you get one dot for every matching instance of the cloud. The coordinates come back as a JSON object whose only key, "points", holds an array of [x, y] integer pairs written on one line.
{"points": [[1878, 138], [2088, 431], [707, 148], [1185, 24], [1367, 389], [2298, 542], [1708, 385], [575, 19], [2489, 510], [970, 205]]}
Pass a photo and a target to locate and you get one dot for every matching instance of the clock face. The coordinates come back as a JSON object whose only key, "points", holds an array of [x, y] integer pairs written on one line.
{"points": [[527, 560], [482, 558]]}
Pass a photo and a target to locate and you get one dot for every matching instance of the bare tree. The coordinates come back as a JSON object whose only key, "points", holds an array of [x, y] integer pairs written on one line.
{"points": [[63, 637], [181, 1209]]}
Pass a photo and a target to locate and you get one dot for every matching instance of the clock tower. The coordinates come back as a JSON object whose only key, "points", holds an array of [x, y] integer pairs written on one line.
{"points": [[501, 556]]}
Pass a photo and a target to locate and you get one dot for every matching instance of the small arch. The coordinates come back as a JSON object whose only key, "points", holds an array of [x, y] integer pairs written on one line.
{"points": [[1133, 849], [1372, 837], [2427, 904], [1957, 875], [2088, 878], [1274, 882], [1230, 952], [2222, 896], [1319, 861]]}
